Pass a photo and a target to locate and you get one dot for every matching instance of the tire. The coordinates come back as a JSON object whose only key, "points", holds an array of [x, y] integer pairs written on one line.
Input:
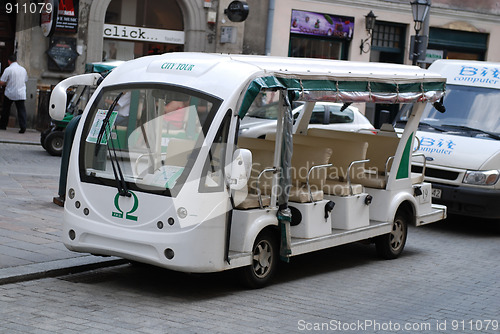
{"points": [[390, 246], [43, 136], [54, 143], [265, 254]]}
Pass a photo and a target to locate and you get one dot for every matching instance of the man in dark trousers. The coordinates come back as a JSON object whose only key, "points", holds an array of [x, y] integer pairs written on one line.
{"points": [[14, 79]]}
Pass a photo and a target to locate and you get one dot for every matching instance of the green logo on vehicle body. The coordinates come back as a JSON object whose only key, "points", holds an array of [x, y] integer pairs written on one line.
{"points": [[128, 214]]}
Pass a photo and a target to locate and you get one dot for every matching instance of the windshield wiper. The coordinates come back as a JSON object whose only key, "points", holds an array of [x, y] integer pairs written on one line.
{"points": [[117, 171], [105, 123], [435, 127], [468, 128], [258, 116], [424, 124], [121, 185]]}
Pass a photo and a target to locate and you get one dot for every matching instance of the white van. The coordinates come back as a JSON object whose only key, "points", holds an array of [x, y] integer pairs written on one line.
{"points": [[176, 186], [462, 145]]}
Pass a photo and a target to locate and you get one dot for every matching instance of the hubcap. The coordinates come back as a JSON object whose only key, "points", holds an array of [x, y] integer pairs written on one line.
{"points": [[397, 235], [57, 143], [262, 258]]}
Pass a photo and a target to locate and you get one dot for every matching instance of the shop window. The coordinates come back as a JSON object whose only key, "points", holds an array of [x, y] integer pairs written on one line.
{"points": [[388, 41], [320, 35], [163, 15], [387, 36], [315, 48], [457, 44]]}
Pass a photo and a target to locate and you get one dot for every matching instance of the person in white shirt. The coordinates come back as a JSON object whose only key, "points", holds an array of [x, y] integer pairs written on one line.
{"points": [[14, 79]]}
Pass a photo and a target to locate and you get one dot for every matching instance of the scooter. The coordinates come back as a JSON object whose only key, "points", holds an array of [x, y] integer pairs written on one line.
{"points": [[52, 139]]}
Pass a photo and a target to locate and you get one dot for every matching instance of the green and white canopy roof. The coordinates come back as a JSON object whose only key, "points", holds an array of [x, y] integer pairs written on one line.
{"points": [[343, 81], [227, 76]]}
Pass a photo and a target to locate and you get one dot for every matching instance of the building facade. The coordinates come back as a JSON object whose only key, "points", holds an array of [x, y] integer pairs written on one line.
{"points": [[464, 30], [98, 30]]}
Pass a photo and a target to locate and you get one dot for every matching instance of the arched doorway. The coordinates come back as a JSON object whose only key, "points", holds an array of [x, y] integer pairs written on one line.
{"points": [[193, 19]]}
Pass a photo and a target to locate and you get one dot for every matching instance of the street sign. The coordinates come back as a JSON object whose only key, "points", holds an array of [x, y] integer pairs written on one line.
{"points": [[419, 43]]}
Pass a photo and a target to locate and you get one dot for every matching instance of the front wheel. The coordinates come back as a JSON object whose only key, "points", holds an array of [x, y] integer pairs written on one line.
{"points": [[264, 261], [390, 246]]}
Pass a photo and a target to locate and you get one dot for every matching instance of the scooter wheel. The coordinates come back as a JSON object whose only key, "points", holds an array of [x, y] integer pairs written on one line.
{"points": [[54, 143], [43, 136]]}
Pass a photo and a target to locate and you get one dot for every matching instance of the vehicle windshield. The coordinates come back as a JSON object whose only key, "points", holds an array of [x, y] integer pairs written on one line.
{"points": [[150, 134], [469, 110]]}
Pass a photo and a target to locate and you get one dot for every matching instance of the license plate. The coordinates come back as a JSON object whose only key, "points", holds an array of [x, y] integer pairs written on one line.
{"points": [[436, 193]]}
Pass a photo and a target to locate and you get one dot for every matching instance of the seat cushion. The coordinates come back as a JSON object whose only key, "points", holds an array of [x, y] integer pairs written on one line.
{"points": [[338, 188], [303, 158], [417, 178], [301, 195], [252, 202], [373, 181]]}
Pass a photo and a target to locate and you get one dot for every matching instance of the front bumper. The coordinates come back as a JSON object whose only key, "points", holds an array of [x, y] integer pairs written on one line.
{"points": [[196, 249], [467, 201]]}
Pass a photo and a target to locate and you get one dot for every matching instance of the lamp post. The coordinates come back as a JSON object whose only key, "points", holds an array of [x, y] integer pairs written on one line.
{"points": [[370, 19], [420, 9]]}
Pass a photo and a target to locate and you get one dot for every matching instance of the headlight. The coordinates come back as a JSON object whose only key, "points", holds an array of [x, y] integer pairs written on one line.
{"points": [[484, 178]]}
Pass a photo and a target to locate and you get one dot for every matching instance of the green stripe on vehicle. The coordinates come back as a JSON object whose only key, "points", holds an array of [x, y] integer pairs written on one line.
{"points": [[404, 165]]}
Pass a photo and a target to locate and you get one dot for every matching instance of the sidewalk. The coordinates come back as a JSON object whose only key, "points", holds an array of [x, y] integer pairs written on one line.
{"points": [[12, 136], [30, 224]]}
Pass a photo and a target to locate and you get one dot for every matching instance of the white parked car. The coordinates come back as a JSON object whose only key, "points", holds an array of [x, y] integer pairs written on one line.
{"points": [[325, 115]]}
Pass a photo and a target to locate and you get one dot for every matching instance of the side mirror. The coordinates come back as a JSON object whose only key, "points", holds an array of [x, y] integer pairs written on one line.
{"points": [[241, 168], [58, 98]]}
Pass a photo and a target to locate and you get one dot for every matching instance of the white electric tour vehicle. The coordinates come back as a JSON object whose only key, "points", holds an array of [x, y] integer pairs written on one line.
{"points": [[158, 173]]}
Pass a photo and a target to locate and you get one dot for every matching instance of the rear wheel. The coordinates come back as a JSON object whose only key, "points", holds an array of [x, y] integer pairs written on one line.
{"points": [[264, 261], [390, 246], [54, 143]]}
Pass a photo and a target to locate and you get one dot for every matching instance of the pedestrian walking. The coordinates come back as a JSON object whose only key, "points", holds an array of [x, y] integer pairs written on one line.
{"points": [[14, 79]]}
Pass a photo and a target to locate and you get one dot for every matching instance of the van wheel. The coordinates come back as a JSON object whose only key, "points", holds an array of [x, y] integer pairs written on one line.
{"points": [[264, 262], [390, 246], [54, 143]]}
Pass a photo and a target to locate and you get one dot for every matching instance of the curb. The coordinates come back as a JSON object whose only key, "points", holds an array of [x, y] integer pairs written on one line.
{"points": [[21, 142], [30, 137], [56, 268]]}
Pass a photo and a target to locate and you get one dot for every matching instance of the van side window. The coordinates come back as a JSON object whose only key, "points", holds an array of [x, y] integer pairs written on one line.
{"points": [[212, 177]]}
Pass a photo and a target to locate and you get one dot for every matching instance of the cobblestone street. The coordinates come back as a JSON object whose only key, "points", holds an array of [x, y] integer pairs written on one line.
{"points": [[446, 281]]}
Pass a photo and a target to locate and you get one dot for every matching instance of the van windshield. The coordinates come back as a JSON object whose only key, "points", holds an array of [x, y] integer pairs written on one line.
{"points": [[467, 109], [146, 137]]}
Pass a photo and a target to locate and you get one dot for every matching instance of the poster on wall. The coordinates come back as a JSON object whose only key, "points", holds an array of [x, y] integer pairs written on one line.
{"points": [[67, 16], [62, 54], [48, 17], [323, 25]]}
